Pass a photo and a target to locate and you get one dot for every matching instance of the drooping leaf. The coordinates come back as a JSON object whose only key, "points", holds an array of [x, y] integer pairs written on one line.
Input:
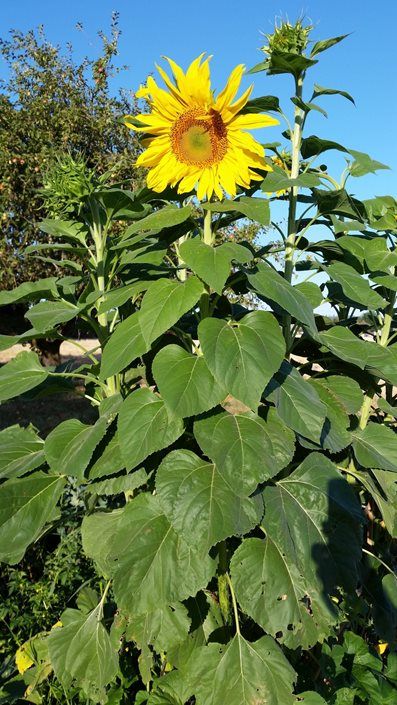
{"points": [[164, 627], [26, 505], [274, 287], [298, 403], [185, 382], [116, 485], [376, 447], [98, 533], [22, 373], [364, 164], [69, 447], [246, 449], [315, 519], [30, 291], [354, 286], [164, 303], [256, 209], [346, 389], [164, 218], [109, 462], [153, 565], [65, 229], [203, 506], [145, 426], [320, 90], [278, 596], [82, 654], [241, 673], [243, 356], [21, 450], [47, 314], [262, 104], [313, 145], [213, 264], [334, 435], [363, 353], [124, 346]]}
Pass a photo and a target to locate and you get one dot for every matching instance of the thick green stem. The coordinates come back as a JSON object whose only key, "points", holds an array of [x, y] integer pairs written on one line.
{"points": [[208, 239], [223, 586], [234, 603], [384, 339], [99, 237], [296, 138]]}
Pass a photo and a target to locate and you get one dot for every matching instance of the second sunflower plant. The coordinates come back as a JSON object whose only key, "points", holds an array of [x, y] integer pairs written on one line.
{"points": [[239, 429]]}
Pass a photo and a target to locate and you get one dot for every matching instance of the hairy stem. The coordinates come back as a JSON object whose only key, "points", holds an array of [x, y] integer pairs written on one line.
{"points": [[384, 339], [223, 586], [208, 239], [296, 138]]}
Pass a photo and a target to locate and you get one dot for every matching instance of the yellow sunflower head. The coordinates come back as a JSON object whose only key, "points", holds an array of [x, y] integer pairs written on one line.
{"points": [[197, 140]]}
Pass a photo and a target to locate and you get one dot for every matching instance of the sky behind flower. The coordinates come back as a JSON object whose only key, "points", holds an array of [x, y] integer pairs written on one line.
{"points": [[364, 64]]}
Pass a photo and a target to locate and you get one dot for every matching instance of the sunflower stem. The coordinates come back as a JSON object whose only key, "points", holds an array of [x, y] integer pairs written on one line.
{"points": [[223, 585], [296, 138], [208, 239]]}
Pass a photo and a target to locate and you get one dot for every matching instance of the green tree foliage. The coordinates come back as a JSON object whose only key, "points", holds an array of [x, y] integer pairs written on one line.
{"points": [[49, 105]]}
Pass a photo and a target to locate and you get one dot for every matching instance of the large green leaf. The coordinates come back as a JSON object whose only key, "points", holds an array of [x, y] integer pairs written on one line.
{"points": [[274, 287], [47, 314], [298, 403], [145, 426], [334, 435], [254, 208], [246, 449], [110, 461], [82, 654], [21, 450], [68, 229], [26, 505], [245, 355], [212, 264], [241, 673], [185, 382], [270, 588], [314, 517], [382, 485], [376, 447], [363, 353], [201, 503], [98, 532], [163, 627], [30, 291], [69, 447], [164, 303], [153, 565], [22, 373], [116, 485], [164, 218], [354, 286], [346, 389], [124, 345]]}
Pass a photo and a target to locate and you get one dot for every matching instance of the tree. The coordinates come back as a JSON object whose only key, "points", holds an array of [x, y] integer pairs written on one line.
{"points": [[50, 105]]}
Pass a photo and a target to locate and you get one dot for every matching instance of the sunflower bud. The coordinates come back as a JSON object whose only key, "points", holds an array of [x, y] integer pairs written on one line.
{"points": [[288, 38]]}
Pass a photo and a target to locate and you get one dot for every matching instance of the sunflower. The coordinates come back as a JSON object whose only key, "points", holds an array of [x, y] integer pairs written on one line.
{"points": [[196, 140]]}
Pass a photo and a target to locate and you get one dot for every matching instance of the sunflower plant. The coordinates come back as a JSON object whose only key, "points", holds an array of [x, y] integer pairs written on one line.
{"points": [[238, 483]]}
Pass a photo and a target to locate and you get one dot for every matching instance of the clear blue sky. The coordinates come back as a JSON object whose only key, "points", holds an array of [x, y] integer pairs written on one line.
{"points": [[364, 64]]}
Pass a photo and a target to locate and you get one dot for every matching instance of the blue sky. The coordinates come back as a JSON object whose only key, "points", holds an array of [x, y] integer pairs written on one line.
{"points": [[364, 64]]}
